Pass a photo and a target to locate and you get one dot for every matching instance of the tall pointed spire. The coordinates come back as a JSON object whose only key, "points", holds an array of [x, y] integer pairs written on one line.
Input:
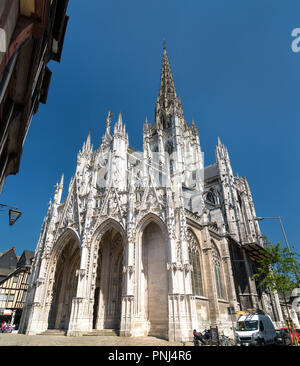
{"points": [[167, 91], [167, 98]]}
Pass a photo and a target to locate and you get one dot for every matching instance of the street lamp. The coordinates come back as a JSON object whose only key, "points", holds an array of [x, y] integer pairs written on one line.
{"points": [[282, 228], [13, 213], [287, 243]]}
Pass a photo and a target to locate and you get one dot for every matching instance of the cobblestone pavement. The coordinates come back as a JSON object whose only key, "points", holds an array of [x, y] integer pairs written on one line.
{"points": [[15, 339]]}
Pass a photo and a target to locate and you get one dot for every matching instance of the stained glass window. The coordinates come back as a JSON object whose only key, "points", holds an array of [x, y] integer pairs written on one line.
{"points": [[217, 271], [194, 258]]}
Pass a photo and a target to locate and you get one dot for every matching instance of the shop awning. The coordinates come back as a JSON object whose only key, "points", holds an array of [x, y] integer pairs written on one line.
{"points": [[5, 311]]}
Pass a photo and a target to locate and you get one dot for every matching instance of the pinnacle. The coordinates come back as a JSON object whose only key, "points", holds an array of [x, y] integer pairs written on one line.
{"points": [[88, 140], [167, 88], [119, 127], [108, 120], [120, 118], [167, 99], [62, 180], [146, 123], [120, 122]]}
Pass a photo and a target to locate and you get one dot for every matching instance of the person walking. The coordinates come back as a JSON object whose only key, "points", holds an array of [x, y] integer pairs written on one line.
{"points": [[3, 326]]}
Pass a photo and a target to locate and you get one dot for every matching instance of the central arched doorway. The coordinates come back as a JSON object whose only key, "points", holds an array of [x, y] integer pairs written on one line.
{"points": [[64, 286], [154, 271], [108, 289]]}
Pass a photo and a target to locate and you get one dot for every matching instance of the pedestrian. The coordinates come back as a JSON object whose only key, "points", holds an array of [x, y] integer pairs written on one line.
{"points": [[3, 327]]}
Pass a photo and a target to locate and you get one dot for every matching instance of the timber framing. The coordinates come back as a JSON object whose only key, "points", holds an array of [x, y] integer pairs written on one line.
{"points": [[33, 33]]}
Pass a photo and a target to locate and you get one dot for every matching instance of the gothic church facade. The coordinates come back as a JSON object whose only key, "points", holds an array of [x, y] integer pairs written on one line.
{"points": [[148, 243]]}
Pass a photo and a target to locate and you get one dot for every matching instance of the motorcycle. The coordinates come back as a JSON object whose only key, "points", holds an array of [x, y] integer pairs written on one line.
{"points": [[7, 329], [207, 338], [199, 339]]}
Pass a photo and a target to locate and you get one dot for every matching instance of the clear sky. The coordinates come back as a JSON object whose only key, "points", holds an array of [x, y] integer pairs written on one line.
{"points": [[233, 68]]}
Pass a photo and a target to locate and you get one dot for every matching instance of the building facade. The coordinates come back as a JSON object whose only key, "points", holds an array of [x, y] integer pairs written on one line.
{"points": [[13, 286], [8, 262], [31, 34], [149, 243]]}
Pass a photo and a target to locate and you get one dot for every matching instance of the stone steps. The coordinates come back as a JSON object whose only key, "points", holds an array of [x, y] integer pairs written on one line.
{"points": [[103, 332], [54, 332]]}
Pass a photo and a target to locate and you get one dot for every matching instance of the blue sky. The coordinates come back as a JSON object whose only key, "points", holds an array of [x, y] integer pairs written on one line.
{"points": [[233, 68]]}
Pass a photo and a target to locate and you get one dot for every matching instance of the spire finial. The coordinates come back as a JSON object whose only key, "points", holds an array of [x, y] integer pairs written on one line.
{"points": [[108, 120], [167, 92], [88, 141], [164, 44], [167, 98], [120, 119], [62, 180]]}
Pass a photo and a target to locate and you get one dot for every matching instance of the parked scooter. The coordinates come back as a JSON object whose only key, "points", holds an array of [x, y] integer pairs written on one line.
{"points": [[7, 329], [207, 335], [199, 338]]}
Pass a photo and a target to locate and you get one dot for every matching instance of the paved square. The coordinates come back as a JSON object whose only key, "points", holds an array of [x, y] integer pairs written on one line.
{"points": [[15, 339]]}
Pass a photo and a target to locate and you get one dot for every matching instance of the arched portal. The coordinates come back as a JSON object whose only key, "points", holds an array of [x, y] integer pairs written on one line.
{"points": [[108, 287], [64, 286], [154, 271]]}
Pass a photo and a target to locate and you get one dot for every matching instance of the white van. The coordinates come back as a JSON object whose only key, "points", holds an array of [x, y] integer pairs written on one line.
{"points": [[255, 329]]}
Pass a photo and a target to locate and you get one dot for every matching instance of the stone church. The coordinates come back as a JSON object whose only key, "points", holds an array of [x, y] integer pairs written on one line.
{"points": [[148, 243]]}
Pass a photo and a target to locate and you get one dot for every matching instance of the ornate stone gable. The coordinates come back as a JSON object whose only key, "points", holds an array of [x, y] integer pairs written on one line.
{"points": [[112, 207], [151, 200], [70, 216]]}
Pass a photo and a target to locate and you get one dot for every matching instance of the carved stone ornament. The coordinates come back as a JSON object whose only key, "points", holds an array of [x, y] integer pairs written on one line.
{"points": [[188, 267], [173, 266], [40, 281], [129, 298], [128, 269], [77, 300], [80, 272]]}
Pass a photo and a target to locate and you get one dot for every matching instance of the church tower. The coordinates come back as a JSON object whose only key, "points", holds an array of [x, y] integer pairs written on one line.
{"points": [[146, 243]]}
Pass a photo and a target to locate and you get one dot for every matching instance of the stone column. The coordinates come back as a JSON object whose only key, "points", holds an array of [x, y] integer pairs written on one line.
{"points": [[37, 312], [127, 315], [252, 287], [210, 279], [128, 297], [229, 283], [232, 297], [79, 319], [36, 315], [182, 306], [80, 316]]}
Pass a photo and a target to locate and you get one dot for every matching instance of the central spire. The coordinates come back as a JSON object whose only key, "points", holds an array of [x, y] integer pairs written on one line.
{"points": [[167, 91], [167, 97]]}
